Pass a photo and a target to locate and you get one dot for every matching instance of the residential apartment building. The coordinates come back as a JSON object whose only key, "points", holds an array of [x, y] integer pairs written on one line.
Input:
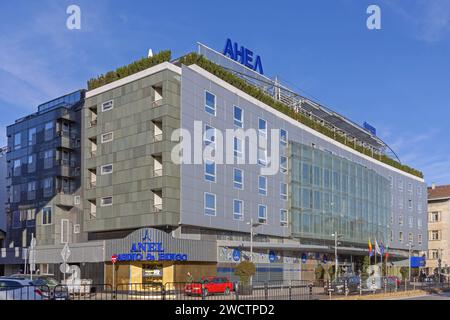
{"points": [[132, 200], [44, 176], [438, 229]]}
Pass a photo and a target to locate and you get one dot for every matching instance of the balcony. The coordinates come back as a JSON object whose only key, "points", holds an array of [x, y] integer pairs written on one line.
{"points": [[157, 103], [93, 123], [157, 208], [66, 142], [157, 173], [158, 138], [63, 199], [92, 185]]}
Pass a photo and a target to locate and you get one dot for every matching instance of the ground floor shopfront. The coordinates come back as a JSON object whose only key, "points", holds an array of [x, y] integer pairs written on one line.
{"points": [[153, 257]]}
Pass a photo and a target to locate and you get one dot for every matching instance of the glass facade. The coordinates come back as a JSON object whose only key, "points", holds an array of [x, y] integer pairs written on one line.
{"points": [[330, 193]]}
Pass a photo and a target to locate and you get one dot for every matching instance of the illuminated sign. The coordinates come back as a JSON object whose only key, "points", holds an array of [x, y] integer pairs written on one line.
{"points": [[243, 56], [150, 251]]}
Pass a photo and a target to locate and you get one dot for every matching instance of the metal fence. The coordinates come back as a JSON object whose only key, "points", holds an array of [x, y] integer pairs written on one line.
{"points": [[272, 290]]}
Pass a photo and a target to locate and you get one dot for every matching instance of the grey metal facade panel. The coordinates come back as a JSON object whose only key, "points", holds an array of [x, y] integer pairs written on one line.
{"points": [[193, 186], [3, 174], [205, 251], [80, 252]]}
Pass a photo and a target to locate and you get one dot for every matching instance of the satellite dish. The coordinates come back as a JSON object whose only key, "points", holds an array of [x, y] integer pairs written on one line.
{"points": [[150, 53]]}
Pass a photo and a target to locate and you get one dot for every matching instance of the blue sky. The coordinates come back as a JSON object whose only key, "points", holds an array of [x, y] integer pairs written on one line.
{"points": [[395, 78]]}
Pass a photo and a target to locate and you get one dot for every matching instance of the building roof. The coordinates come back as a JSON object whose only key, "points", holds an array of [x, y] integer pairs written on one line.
{"points": [[439, 192]]}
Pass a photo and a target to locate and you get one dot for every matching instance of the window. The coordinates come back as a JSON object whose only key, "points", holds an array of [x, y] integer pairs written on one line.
{"points": [[419, 239], [392, 236], [107, 169], [17, 141], [107, 137], [262, 156], [410, 188], [77, 200], [434, 235], [262, 127], [238, 116], [32, 136], [106, 106], [400, 185], [434, 254], [400, 220], [76, 228], [283, 164], [262, 214], [16, 167], [410, 204], [400, 236], [411, 222], [391, 182], [31, 214], [48, 134], [238, 179], [210, 204], [31, 163], [283, 218], [106, 201], [262, 185], [210, 135], [47, 216], [210, 171], [237, 148], [419, 223], [210, 103], [48, 159], [16, 220], [238, 210], [435, 216], [65, 230], [410, 238], [283, 191], [283, 137]]}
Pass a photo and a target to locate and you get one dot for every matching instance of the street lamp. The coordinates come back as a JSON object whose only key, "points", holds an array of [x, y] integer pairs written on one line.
{"points": [[252, 225], [410, 246], [336, 238]]}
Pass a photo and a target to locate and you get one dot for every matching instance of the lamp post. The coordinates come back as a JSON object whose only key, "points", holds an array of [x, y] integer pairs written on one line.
{"points": [[336, 238], [410, 246], [439, 265], [252, 225]]}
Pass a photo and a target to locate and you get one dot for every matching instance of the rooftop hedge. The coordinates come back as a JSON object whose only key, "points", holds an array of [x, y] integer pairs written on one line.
{"points": [[194, 58], [130, 69]]}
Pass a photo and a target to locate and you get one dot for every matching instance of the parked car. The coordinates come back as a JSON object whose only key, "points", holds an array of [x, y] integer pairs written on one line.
{"points": [[20, 289], [338, 284], [212, 285], [50, 287]]}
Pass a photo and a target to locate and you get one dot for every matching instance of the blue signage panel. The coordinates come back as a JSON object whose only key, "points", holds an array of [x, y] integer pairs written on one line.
{"points": [[370, 128], [150, 251], [418, 262], [236, 255], [244, 56], [272, 256]]}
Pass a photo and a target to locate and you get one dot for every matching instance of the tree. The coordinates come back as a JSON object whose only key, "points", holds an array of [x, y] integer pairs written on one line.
{"points": [[320, 272], [404, 271], [331, 272], [245, 270], [365, 267]]}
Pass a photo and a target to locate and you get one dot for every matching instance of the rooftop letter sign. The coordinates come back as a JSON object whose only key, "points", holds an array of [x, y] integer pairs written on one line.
{"points": [[243, 56]]}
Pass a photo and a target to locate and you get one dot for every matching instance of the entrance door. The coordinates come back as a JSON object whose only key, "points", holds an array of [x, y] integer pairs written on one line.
{"points": [[152, 275]]}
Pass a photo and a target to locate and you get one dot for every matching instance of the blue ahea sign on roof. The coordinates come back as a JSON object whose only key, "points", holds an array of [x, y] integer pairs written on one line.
{"points": [[243, 56]]}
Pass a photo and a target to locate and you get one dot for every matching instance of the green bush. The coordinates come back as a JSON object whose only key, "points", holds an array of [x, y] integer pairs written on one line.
{"points": [[194, 58], [245, 270], [130, 69]]}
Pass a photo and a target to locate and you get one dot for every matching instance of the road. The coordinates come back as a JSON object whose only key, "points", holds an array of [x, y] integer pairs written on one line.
{"points": [[442, 296]]}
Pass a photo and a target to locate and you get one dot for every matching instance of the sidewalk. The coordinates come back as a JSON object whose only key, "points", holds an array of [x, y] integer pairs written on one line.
{"points": [[386, 296]]}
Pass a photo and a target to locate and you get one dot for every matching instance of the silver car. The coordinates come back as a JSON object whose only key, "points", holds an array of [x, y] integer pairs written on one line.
{"points": [[18, 289]]}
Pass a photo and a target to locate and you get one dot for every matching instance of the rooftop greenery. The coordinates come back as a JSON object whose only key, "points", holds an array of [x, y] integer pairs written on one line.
{"points": [[130, 69], [194, 58]]}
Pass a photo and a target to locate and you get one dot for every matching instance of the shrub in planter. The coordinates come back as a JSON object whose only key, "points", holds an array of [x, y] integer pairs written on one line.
{"points": [[245, 270]]}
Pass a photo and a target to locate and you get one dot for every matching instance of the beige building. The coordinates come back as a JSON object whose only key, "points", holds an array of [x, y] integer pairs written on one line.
{"points": [[438, 228]]}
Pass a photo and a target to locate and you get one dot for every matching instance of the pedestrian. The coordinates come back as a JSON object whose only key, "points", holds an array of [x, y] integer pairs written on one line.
{"points": [[190, 278]]}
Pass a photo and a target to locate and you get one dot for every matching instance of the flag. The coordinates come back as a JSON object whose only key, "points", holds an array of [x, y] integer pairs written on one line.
{"points": [[370, 247], [386, 252], [377, 248], [382, 250]]}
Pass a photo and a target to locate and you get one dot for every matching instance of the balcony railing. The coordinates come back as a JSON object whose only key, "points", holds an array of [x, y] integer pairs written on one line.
{"points": [[158, 103], [157, 173], [92, 185], [157, 208], [158, 138], [93, 154], [93, 123]]}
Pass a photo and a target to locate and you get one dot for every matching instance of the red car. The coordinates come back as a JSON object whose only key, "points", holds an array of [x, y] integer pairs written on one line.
{"points": [[212, 285]]}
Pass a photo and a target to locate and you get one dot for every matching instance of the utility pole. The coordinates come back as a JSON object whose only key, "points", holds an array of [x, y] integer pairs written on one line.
{"points": [[410, 246], [336, 243]]}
